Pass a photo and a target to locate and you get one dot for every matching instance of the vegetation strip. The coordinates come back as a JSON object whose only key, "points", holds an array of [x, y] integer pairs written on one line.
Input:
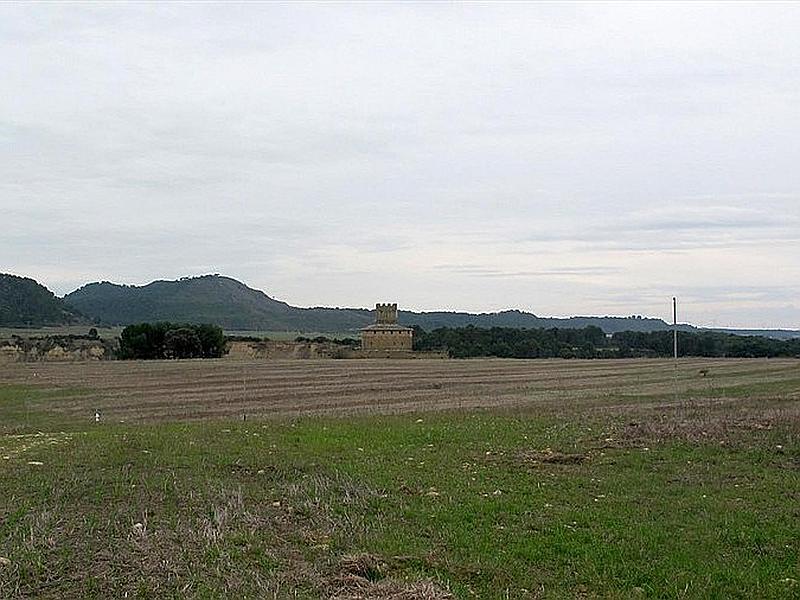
{"points": [[594, 495]]}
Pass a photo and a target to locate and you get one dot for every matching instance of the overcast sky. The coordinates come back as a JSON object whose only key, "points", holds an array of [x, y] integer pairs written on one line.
{"points": [[557, 158]]}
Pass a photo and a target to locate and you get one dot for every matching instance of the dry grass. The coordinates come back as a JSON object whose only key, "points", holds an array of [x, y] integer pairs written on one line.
{"points": [[358, 588], [12, 446], [703, 420], [365, 577]]}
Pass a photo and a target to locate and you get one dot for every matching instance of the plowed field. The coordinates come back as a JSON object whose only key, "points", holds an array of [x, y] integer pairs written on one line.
{"points": [[208, 389]]}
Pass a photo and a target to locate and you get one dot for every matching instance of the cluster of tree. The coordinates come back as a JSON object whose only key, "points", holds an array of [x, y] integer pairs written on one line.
{"points": [[592, 342], [507, 342], [706, 343], [171, 340]]}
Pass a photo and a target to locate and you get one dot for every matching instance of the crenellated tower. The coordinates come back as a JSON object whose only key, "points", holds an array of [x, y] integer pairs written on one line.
{"points": [[386, 314]]}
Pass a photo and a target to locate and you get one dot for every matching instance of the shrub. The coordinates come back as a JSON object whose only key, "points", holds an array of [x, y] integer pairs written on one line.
{"points": [[147, 341]]}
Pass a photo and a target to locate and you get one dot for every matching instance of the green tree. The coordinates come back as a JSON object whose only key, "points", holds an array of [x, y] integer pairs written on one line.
{"points": [[182, 342]]}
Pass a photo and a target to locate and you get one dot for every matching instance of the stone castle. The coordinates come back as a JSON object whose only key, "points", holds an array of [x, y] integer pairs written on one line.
{"points": [[386, 334]]}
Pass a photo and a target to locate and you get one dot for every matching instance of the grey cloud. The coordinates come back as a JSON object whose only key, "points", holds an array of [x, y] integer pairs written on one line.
{"points": [[326, 153], [481, 271], [684, 227]]}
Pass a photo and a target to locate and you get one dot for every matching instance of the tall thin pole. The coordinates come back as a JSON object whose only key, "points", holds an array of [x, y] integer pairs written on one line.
{"points": [[675, 347], [675, 328]]}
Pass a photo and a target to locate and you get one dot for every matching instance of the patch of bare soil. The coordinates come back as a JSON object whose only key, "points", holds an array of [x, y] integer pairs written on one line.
{"points": [[365, 577], [548, 457]]}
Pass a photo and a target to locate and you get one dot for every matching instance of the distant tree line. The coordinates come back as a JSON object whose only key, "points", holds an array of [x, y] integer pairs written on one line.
{"points": [[300, 339], [705, 343], [592, 342], [171, 340]]}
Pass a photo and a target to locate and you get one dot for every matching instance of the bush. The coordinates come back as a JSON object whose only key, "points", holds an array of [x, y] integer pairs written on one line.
{"points": [[148, 341]]}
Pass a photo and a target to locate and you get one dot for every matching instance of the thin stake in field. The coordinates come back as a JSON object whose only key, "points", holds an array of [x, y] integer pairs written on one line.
{"points": [[675, 345], [244, 396]]}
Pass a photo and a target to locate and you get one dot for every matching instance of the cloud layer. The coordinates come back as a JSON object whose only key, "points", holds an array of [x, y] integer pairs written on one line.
{"points": [[561, 159]]}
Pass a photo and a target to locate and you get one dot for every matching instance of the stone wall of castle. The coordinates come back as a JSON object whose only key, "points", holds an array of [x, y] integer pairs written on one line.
{"points": [[389, 338]]}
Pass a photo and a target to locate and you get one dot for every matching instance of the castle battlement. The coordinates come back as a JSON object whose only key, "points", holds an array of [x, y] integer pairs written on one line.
{"points": [[386, 314]]}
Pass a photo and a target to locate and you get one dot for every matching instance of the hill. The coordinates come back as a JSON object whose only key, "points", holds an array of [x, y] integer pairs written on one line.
{"points": [[26, 303], [234, 306], [775, 334], [208, 299]]}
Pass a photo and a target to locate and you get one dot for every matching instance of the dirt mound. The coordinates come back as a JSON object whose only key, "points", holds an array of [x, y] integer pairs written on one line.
{"points": [[67, 348], [549, 457]]}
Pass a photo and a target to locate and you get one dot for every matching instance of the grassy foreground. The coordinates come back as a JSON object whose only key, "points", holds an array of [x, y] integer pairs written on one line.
{"points": [[696, 499]]}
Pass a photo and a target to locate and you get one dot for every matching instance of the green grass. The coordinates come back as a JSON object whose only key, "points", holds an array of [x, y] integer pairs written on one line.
{"points": [[26, 411], [487, 504]]}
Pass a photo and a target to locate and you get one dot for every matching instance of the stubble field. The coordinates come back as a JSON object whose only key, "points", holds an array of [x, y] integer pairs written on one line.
{"points": [[401, 479], [214, 389]]}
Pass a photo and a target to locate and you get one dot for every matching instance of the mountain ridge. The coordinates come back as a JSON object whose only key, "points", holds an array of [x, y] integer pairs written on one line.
{"points": [[235, 306], [25, 302]]}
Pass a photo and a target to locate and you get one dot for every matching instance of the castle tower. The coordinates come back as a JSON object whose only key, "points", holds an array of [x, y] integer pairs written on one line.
{"points": [[386, 314], [386, 336]]}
